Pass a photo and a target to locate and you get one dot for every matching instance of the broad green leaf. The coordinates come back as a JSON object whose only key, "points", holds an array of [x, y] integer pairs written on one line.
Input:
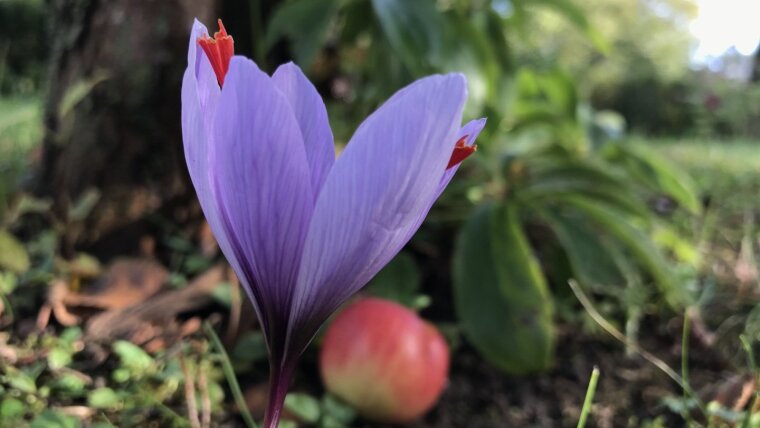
{"points": [[305, 24], [398, 281], [13, 255], [638, 242], [305, 407], [585, 248], [413, 28], [500, 293], [656, 173], [567, 177]]}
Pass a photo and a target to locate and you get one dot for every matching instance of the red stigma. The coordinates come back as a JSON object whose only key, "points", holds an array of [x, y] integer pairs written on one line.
{"points": [[461, 152], [219, 51]]}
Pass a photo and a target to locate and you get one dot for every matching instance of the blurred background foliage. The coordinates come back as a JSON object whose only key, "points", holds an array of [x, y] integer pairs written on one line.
{"points": [[559, 184], [593, 110]]}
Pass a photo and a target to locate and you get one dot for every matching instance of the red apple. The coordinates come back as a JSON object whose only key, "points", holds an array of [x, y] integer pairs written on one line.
{"points": [[384, 360]]}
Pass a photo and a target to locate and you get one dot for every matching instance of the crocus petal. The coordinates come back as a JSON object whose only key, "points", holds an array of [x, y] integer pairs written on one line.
{"points": [[207, 87], [262, 185], [311, 115], [200, 95], [471, 130], [373, 196]]}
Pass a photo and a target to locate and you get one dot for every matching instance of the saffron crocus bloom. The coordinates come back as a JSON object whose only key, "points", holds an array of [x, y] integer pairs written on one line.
{"points": [[302, 230]]}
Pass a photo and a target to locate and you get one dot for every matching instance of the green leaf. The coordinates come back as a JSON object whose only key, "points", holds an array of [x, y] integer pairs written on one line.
{"points": [[79, 91], [555, 179], [103, 398], [53, 419], [222, 294], [656, 173], [58, 358], [13, 255], [577, 17], [585, 248], [84, 205], [337, 411], [70, 383], [20, 380], [305, 24], [11, 408], [500, 294], [398, 281], [250, 348], [305, 407], [8, 282], [70, 334], [413, 29], [133, 357], [638, 242]]}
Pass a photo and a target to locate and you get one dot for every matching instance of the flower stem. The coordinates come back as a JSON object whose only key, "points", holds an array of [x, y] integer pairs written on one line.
{"points": [[229, 373], [279, 379]]}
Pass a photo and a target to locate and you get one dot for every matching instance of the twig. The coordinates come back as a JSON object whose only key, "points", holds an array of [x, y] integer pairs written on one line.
{"points": [[588, 401], [753, 366], [192, 405], [205, 400], [229, 373], [609, 328]]}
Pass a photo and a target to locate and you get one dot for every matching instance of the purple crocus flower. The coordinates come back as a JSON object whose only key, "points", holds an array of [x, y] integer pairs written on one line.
{"points": [[302, 230]]}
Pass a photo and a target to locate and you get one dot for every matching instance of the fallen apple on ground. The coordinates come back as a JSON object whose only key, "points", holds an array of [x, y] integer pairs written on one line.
{"points": [[384, 360]]}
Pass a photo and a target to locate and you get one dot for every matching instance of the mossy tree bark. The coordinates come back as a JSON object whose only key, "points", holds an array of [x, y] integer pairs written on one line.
{"points": [[112, 111]]}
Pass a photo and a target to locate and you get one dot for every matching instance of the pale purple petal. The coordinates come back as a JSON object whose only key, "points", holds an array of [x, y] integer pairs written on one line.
{"points": [[263, 189], [373, 196], [471, 130], [200, 95], [311, 115]]}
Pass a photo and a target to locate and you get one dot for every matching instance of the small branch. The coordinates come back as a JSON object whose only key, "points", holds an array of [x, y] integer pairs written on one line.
{"points": [[192, 405], [205, 400]]}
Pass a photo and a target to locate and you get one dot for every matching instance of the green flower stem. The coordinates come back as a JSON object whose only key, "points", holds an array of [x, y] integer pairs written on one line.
{"points": [[229, 373]]}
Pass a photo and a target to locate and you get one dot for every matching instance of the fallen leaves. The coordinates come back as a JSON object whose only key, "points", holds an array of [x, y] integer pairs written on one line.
{"points": [[129, 300], [125, 282]]}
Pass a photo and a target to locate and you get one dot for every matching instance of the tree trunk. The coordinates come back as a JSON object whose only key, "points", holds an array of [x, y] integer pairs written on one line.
{"points": [[112, 112]]}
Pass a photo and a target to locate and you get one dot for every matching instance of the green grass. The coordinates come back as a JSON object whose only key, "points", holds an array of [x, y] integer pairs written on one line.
{"points": [[727, 175], [712, 163]]}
